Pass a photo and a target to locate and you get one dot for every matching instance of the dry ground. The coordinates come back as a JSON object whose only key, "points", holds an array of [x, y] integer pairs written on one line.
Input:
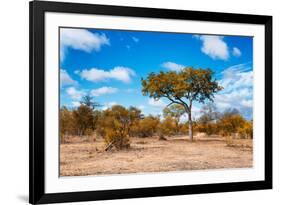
{"points": [[86, 157]]}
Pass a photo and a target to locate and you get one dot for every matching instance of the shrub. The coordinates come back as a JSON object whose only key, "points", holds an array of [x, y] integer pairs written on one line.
{"points": [[116, 139], [230, 124], [184, 128], [67, 124], [114, 125], [146, 127], [246, 131], [84, 119], [167, 127], [208, 128], [175, 111]]}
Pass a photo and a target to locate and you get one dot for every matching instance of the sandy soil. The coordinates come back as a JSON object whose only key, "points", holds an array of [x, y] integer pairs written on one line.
{"points": [[86, 157]]}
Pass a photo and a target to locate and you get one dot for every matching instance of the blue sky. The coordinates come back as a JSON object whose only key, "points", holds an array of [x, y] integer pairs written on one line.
{"points": [[109, 65]]}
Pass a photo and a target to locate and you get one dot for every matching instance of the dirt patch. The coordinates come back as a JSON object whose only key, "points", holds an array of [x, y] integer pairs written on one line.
{"points": [[86, 157]]}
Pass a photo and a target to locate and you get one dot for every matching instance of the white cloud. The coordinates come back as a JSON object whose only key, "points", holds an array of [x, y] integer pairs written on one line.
{"points": [[213, 46], [156, 103], [135, 39], [65, 78], [81, 39], [75, 103], [112, 104], [247, 103], [235, 98], [236, 52], [238, 89], [173, 66], [103, 91], [141, 107], [109, 105], [75, 94], [238, 76], [120, 73]]}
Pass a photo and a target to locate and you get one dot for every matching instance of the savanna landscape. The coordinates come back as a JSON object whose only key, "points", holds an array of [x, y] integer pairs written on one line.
{"points": [[172, 118]]}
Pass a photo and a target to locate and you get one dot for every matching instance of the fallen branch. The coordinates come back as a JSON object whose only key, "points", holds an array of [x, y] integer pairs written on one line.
{"points": [[109, 146]]}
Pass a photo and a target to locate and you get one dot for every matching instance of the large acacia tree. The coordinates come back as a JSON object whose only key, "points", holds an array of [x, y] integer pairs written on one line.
{"points": [[182, 88]]}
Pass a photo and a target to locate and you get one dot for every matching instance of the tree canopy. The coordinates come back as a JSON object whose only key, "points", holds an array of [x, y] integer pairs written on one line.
{"points": [[182, 88]]}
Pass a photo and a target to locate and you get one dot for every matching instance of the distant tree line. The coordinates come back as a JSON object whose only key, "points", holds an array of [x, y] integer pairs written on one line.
{"points": [[229, 123], [116, 125]]}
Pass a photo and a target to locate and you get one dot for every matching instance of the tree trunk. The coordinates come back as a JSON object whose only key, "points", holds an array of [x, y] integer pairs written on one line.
{"points": [[190, 126]]}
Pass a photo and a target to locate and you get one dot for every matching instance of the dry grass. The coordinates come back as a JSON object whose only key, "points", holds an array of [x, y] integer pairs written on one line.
{"points": [[85, 156]]}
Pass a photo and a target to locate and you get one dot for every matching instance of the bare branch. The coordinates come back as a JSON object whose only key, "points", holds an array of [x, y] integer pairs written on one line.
{"points": [[170, 104], [183, 103]]}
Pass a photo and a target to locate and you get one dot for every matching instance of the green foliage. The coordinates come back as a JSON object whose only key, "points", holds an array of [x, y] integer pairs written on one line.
{"points": [[175, 111]]}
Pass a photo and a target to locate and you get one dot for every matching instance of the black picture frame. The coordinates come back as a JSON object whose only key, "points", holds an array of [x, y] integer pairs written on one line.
{"points": [[37, 194]]}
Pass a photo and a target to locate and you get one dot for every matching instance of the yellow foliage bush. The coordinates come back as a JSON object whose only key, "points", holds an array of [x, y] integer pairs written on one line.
{"points": [[114, 125], [246, 131], [146, 127], [208, 128], [230, 124], [167, 127], [117, 139]]}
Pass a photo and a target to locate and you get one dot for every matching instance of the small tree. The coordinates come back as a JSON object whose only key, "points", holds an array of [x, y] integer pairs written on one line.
{"points": [[230, 124], [66, 124], [175, 111], [182, 88], [87, 100], [167, 127], [145, 127], [208, 119], [114, 126], [83, 117], [230, 112], [246, 131], [209, 113]]}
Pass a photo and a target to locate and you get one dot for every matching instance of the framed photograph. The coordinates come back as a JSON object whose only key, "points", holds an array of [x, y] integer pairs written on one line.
{"points": [[130, 102]]}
